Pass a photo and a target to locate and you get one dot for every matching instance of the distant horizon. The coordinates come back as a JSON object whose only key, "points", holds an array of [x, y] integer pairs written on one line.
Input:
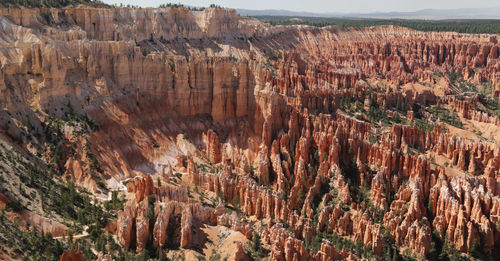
{"points": [[375, 12], [325, 6]]}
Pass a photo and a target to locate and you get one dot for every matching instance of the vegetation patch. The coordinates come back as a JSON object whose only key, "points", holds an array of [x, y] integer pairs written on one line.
{"points": [[470, 26]]}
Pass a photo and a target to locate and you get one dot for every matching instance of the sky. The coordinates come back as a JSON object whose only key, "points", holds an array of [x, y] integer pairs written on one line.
{"points": [[325, 6]]}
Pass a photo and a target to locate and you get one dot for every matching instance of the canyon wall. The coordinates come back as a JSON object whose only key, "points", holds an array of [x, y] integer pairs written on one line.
{"points": [[261, 116]]}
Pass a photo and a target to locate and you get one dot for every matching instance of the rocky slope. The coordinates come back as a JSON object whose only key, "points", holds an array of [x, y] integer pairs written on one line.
{"points": [[303, 143]]}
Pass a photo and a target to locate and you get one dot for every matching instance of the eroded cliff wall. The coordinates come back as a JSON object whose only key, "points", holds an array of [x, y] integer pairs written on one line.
{"points": [[285, 121]]}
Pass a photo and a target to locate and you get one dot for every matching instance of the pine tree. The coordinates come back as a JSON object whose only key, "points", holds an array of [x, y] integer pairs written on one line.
{"points": [[256, 242]]}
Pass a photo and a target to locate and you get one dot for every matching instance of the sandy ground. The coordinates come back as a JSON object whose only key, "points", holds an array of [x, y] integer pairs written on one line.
{"points": [[479, 130], [220, 241], [440, 160]]}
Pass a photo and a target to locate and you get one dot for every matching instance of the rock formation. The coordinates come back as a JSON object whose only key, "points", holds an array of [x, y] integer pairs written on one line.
{"points": [[326, 143], [213, 147], [72, 255]]}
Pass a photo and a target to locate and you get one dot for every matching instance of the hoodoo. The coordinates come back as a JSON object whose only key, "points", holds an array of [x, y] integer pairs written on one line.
{"points": [[170, 132]]}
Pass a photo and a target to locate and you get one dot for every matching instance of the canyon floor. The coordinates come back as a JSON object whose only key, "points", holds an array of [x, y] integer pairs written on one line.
{"points": [[177, 134]]}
